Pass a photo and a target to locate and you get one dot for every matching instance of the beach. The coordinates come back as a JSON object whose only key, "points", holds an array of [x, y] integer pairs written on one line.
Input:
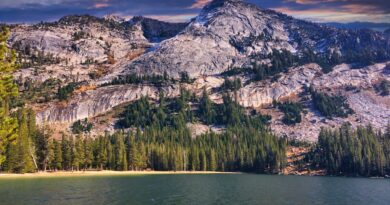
{"points": [[104, 173]]}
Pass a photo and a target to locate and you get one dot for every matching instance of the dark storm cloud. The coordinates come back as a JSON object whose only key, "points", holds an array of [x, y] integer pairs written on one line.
{"points": [[12, 11]]}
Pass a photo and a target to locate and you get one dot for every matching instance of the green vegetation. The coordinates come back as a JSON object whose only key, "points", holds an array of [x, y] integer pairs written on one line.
{"points": [[8, 90], [292, 112], [177, 112], [282, 60], [20, 154], [238, 149], [65, 92], [32, 57], [80, 35], [331, 106], [80, 127], [383, 88], [184, 77], [33, 92], [345, 151], [232, 85], [159, 140], [153, 79]]}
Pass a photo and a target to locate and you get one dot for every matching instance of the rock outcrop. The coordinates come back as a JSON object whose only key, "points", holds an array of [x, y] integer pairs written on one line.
{"points": [[229, 33], [226, 34], [94, 102], [157, 31]]}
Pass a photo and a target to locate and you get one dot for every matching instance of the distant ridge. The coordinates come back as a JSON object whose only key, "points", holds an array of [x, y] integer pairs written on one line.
{"points": [[360, 25]]}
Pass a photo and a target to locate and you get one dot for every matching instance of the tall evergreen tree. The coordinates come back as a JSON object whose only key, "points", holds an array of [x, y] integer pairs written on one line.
{"points": [[206, 110], [8, 89], [44, 147], [57, 161]]}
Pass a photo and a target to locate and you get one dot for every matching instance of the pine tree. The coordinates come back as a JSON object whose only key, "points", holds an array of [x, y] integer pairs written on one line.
{"points": [[213, 161], [8, 89], [79, 154], [206, 110], [120, 153], [57, 160], [88, 151], [66, 149], [50, 160], [20, 154], [203, 160], [101, 153], [43, 144]]}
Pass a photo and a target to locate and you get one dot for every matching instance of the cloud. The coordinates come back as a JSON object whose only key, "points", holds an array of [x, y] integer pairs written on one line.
{"points": [[100, 5], [181, 10], [199, 4], [323, 15], [353, 6]]}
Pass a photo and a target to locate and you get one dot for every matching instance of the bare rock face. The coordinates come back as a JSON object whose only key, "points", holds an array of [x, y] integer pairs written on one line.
{"points": [[369, 107], [74, 47], [78, 38], [292, 83], [156, 31], [230, 33], [210, 44], [227, 33], [94, 102]]}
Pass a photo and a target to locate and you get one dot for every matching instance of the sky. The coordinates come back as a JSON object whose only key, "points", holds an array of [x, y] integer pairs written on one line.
{"points": [[343, 11]]}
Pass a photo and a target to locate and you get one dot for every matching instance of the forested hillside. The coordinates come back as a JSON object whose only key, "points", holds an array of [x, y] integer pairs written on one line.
{"points": [[158, 140], [234, 89]]}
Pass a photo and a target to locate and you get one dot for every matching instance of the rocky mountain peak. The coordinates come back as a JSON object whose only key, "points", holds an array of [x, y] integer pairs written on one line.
{"points": [[233, 33], [79, 19], [221, 3], [275, 56], [114, 18], [219, 8]]}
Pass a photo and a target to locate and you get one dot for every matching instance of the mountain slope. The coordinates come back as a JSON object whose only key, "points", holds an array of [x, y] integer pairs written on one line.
{"points": [[80, 46], [230, 33], [273, 57]]}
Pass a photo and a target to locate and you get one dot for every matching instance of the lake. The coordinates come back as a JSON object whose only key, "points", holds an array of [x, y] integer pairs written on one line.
{"points": [[194, 189]]}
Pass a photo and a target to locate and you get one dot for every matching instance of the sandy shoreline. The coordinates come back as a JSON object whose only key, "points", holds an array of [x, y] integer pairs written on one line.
{"points": [[104, 173]]}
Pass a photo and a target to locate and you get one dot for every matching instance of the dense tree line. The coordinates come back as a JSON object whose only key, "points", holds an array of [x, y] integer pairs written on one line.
{"points": [[188, 108], [282, 60], [158, 139], [64, 92], [346, 151], [238, 149], [383, 88], [292, 112], [331, 105], [185, 77], [20, 154], [81, 126], [153, 79], [232, 85], [8, 90]]}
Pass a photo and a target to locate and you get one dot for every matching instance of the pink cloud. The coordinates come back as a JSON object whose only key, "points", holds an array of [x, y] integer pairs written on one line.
{"points": [[346, 14], [199, 4], [100, 5], [311, 1]]}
